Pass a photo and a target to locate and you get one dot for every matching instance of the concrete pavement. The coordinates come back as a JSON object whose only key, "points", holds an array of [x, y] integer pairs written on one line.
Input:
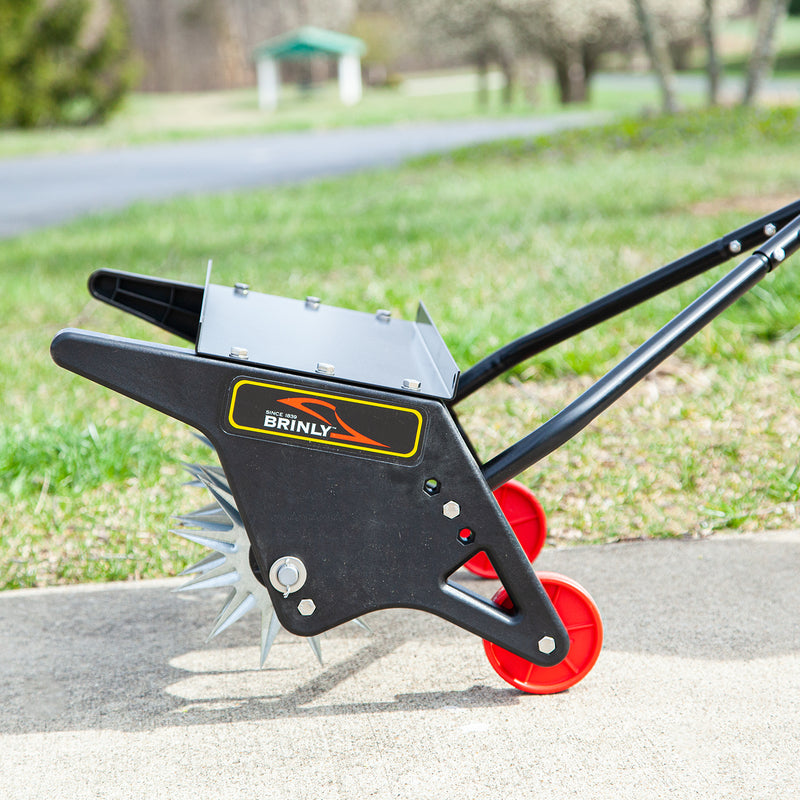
{"points": [[36, 191], [110, 692]]}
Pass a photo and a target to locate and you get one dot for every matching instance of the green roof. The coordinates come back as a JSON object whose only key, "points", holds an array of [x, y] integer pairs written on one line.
{"points": [[309, 41]]}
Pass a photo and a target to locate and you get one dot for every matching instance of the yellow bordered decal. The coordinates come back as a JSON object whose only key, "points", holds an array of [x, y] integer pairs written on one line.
{"points": [[343, 422]]}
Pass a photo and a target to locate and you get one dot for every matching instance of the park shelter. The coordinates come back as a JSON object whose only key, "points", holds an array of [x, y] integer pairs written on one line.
{"points": [[308, 42]]}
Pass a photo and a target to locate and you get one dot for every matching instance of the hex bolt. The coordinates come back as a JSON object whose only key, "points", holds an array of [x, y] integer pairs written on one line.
{"points": [[242, 289], [312, 303], [547, 644], [412, 383], [383, 315], [325, 369], [451, 509], [735, 246], [306, 607], [239, 352], [770, 229]]}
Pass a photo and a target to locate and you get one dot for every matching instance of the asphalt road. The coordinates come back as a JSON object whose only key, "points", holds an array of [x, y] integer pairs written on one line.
{"points": [[45, 190], [111, 692]]}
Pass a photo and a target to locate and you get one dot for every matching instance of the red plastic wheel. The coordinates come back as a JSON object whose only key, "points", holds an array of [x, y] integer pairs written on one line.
{"points": [[582, 620], [526, 517]]}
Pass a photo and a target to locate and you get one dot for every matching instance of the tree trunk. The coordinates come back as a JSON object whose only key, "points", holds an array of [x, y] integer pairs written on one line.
{"points": [[483, 81], [507, 67], [713, 69], [658, 52], [571, 78], [770, 13]]}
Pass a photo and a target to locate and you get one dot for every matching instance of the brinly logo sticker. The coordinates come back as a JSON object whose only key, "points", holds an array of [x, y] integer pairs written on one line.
{"points": [[348, 422]]}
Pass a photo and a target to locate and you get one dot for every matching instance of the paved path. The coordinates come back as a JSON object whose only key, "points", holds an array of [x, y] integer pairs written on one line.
{"points": [[43, 190], [110, 692]]}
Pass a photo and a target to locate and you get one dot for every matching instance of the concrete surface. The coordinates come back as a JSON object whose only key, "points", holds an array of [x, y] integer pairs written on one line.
{"points": [[110, 692], [36, 191]]}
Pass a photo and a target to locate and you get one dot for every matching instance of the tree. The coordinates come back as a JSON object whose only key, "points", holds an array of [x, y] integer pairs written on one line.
{"points": [[710, 21], [571, 35], [770, 14], [656, 45], [65, 62], [474, 30]]}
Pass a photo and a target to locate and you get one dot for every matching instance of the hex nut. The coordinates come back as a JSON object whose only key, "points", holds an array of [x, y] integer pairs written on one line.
{"points": [[451, 509], [306, 607], [547, 644]]}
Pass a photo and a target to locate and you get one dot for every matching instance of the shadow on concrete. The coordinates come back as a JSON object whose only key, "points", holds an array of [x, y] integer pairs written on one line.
{"points": [[111, 656]]}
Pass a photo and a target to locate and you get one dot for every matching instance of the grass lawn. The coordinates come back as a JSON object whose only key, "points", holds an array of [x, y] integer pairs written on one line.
{"points": [[149, 118], [497, 240]]}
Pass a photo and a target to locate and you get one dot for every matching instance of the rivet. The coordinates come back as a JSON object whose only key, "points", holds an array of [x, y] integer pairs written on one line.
{"points": [[239, 352], [312, 303], [770, 229], [412, 383], [325, 369], [241, 289], [779, 254], [735, 246], [383, 315]]}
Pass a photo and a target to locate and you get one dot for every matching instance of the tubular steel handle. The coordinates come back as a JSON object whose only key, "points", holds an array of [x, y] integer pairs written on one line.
{"points": [[578, 414], [648, 286]]}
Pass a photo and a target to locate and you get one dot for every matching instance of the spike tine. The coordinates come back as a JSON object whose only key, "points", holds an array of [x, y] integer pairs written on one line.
{"points": [[211, 561], [314, 643], [363, 625], [268, 634], [213, 543], [221, 493], [205, 440], [233, 612], [201, 524], [210, 581]]}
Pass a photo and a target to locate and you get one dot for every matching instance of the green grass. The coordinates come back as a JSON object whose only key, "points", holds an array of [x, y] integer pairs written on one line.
{"points": [[496, 240], [148, 118]]}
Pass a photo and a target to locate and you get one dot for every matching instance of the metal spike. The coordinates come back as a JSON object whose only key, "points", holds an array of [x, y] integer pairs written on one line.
{"points": [[363, 625], [268, 633], [219, 544], [231, 613], [195, 523], [205, 440], [210, 581], [314, 642], [220, 491], [210, 513], [211, 561]]}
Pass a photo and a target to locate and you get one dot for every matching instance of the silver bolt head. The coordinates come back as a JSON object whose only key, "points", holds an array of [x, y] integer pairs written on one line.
{"points": [[239, 352], [306, 607], [412, 383], [735, 246], [242, 289], [288, 574], [312, 303], [770, 229], [547, 644], [325, 369], [383, 315], [779, 254], [451, 509]]}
